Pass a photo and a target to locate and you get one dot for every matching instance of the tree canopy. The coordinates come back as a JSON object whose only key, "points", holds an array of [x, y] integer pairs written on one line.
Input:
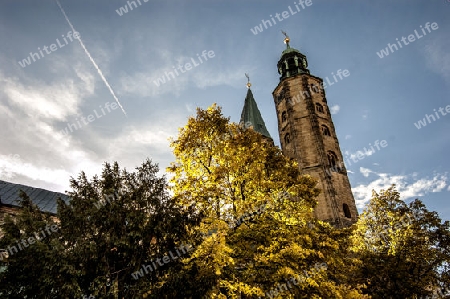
{"points": [[225, 171], [403, 248], [234, 221], [113, 225]]}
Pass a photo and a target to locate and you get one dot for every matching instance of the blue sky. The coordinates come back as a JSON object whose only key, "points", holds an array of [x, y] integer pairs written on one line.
{"points": [[381, 99]]}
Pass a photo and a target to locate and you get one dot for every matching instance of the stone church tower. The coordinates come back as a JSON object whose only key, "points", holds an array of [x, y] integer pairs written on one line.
{"points": [[307, 135]]}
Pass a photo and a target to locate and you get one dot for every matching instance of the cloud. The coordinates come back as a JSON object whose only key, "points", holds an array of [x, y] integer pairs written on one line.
{"points": [[91, 59], [87, 77], [409, 186], [365, 171], [143, 83], [157, 137], [32, 111], [334, 109], [7, 163], [12, 166], [359, 155], [365, 114], [438, 57], [146, 138], [41, 101]]}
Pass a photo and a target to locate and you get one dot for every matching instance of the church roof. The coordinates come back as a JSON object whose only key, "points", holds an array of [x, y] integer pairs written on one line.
{"points": [[251, 115], [44, 199], [289, 50]]}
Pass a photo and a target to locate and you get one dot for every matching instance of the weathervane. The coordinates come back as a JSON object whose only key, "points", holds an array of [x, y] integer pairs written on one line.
{"points": [[248, 81], [286, 39]]}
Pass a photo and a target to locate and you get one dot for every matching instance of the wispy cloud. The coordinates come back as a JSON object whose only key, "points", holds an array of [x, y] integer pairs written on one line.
{"points": [[334, 109], [365, 171], [38, 100], [32, 111], [141, 83], [365, 114], [409, 186], [438, 57], [13, 167], [359, 155]]}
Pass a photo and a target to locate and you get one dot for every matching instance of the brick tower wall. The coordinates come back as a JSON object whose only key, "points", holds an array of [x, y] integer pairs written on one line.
{"points": [[302, 137]]}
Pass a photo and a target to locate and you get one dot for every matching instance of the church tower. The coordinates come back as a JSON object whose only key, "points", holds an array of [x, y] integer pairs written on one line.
{"points": [[307, 135]]}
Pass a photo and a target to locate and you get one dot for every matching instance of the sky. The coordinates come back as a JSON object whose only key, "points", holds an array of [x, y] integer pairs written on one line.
{"points": [[70, 104]]}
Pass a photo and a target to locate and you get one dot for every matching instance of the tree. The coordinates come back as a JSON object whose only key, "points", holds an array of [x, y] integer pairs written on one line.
{"points": [[29, 240], [110, 233], [403, 248], [227, 171]]}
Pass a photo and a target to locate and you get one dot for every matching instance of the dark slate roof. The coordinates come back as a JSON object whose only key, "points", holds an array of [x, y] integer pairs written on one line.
{"points": [[44, 199], [250, 114]]}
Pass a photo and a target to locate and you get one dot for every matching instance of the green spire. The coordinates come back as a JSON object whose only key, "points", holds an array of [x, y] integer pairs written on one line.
{"points": [[251, 117]]}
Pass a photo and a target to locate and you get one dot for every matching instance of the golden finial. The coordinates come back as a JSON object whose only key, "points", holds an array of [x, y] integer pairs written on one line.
{"points": [[286, 39], [248, 81]]}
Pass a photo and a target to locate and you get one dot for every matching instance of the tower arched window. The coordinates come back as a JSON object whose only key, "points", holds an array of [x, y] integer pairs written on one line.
{"points": [[279, 98], [287, 138], [319, 108], [346, 211], [283, 116], [314, 88], [332, 159], [325, 131]]}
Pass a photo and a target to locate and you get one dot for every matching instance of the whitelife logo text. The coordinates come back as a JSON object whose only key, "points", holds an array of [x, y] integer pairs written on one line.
{"points": [[33, 56], [411, 38]]}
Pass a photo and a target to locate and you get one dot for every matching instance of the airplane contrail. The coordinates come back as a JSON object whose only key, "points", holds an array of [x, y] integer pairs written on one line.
{"points": [[92, 60]]}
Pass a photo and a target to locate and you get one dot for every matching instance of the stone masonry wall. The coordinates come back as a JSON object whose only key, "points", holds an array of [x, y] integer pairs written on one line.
{"points": [[301, 136]]}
